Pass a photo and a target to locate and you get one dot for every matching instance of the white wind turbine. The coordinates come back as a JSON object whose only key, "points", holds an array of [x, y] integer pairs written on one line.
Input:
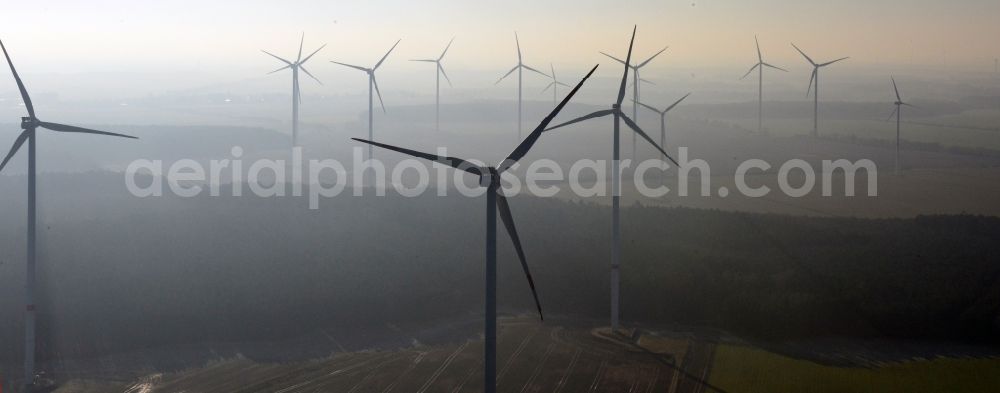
{"points": [[636, 80], [520, 67], [760, 85], [618, 116], [898, 112], [438, 72], [295, 66], [814, 85], [30, 126], [554, 85], [372, 86]]}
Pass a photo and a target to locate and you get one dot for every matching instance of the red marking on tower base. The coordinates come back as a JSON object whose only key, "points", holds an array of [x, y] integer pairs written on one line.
{"points": [[30, 307]]}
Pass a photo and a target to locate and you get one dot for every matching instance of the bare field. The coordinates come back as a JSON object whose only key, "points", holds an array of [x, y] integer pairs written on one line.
{"points": [[533, 357]]}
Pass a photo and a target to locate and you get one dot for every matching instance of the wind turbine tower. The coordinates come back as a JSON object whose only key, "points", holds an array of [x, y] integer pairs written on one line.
{"points": [[30, 126]]}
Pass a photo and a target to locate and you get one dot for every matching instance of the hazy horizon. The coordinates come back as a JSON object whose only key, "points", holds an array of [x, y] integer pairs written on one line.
{"points": [[157, 48]]}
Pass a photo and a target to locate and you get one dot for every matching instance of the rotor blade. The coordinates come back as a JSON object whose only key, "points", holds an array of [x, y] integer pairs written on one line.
{"points": [[386, 54], [13, 149], [66, 128], [553, 68], [303, 68], [377, 92], [675, 103], [537, 71], [311, 54], [811, 79], [804, 54], [301, 43], [652, 57], [651, 108], [635, 127], [548, 86], [529, 141], [425, 60], [446, 49], [831, 62], [352, 66], [276, 57], [909, 105], [760, 58], [628, 59], [518, 42], [646, 81], [20, 85], [507, 74], [508, 222], [614, 58], [593, 115], [775, 67], [562, 84], [895, 88], [282, 68], [440, 68], [893, 113], [751, 70], [453, 162]]}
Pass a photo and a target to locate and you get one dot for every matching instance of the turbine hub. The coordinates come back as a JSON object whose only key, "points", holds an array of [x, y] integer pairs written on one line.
{"points": [[615, 106], [488, 177], [27, 122]]}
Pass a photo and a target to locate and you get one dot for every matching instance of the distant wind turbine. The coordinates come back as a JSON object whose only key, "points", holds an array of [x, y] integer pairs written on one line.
{"points": [[437, 84], [372, 84], [663, 118], [636, 81], [898, 112], [489, 177], [520, 67], [760, 85], [814, 85], [29, 125], [554, 85], [298, 64], [619, 116]]}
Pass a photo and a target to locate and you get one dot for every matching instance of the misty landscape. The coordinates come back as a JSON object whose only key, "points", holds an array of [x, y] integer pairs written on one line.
{"points": [[193, 245]]}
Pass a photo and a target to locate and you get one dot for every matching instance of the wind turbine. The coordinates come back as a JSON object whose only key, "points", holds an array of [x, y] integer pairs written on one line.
{"points": [[372, 84], [437, 84], [814, 85], [29, 125], [760, 85], [520, 67], [489, 177], [636, 80], [554, 85], [663, 119], [296, 65], [619, 116], [898, 112]]}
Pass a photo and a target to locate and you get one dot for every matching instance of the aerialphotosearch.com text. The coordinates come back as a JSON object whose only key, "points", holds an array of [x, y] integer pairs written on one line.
{"points": [[327, 178]]}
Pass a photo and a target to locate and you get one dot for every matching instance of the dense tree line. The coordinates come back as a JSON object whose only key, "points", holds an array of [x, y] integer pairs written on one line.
{"points": [[162, 271]]}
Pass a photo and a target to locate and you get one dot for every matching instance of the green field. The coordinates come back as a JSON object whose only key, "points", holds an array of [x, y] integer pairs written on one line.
{"points": [[739, 369]]}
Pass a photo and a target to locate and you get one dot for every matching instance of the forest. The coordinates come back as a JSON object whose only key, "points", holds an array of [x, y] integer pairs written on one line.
{"points": [[164, 271]]}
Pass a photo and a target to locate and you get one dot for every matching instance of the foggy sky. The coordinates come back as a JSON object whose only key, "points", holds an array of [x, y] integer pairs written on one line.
{"points": [[189, 43], [187, 34]]}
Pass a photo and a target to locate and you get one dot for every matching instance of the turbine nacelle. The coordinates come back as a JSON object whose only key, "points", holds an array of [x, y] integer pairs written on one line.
{"points": [[489, 177], [28, 123]]}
